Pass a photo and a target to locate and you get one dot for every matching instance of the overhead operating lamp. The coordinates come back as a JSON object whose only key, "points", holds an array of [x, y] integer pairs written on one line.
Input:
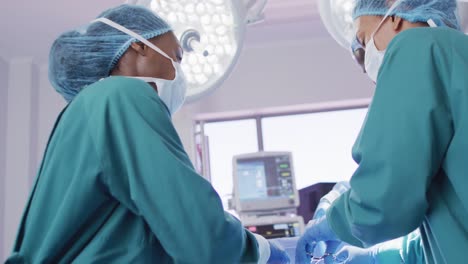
{"points": [[337, 17], [211, 32], [463, 14]]}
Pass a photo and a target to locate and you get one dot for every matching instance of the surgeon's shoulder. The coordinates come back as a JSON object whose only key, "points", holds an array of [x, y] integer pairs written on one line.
{"points": [[121, 91], [421, 41], [118, 86]]}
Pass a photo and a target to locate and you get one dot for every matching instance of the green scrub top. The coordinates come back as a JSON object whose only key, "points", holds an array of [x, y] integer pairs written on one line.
{"points": [[116, 186], [406, 249], [413, 150]]}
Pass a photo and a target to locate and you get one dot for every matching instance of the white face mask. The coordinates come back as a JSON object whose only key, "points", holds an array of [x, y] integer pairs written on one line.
{"points": [[373, 58], [171, 92]]}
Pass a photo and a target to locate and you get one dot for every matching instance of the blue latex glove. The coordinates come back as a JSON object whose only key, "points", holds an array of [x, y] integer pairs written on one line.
{"points": [[326, 201], [277, 254], [317, 230], [324, 252], [355, 255]]}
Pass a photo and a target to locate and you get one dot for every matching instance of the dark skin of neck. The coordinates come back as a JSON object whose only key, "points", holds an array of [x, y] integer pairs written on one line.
{"points": [[142, 61]]}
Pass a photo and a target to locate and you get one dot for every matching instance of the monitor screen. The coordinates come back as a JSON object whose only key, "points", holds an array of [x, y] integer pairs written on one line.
{"points": [[265, 182], [264, 178]]}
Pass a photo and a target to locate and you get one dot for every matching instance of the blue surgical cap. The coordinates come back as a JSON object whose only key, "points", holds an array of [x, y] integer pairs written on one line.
{"points": [[442, 12], [82, 57]]}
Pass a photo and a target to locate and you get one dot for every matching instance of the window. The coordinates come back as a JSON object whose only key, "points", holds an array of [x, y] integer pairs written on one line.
{"points": [[320, 143], [225, 140]]}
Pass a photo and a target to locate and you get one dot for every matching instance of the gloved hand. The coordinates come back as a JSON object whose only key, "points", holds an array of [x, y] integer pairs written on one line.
{"points": [[327, 200], [317, 230], [355, 255], [277, 254]]}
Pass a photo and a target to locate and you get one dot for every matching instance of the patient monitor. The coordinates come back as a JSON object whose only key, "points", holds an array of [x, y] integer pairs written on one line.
{"points": [[265, 194]]}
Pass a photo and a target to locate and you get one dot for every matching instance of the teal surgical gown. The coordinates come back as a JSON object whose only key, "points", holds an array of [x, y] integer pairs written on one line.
{"points": [[413, 150], [406, 250], [116, 186]]}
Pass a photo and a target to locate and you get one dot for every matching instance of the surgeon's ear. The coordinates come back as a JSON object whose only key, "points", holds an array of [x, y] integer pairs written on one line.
{"points": [[139, 48], [397, 23]]}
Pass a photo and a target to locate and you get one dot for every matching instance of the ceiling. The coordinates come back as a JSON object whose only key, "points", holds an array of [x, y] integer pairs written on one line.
{"points": [[28, 28]]}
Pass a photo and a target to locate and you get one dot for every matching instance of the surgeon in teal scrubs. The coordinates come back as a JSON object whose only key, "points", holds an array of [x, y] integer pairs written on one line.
{"points": [[116, 185], [412, 150]]}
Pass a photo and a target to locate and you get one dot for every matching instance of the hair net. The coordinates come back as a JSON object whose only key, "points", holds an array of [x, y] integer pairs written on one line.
{"points": [[442, 12], [82, 57]]}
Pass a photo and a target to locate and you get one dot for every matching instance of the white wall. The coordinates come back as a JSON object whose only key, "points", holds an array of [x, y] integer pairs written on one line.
{"points": [[289, 73], [3, 115], [28, 108], [18, 144]]}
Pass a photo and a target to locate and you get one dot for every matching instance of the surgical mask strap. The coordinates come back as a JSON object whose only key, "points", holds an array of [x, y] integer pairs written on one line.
{"points": [[431, 23], [132, 34]]}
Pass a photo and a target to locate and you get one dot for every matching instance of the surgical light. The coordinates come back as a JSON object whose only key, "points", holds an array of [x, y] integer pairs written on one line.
{"points": [[463, 14], [337, 17], [211, 32]]}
